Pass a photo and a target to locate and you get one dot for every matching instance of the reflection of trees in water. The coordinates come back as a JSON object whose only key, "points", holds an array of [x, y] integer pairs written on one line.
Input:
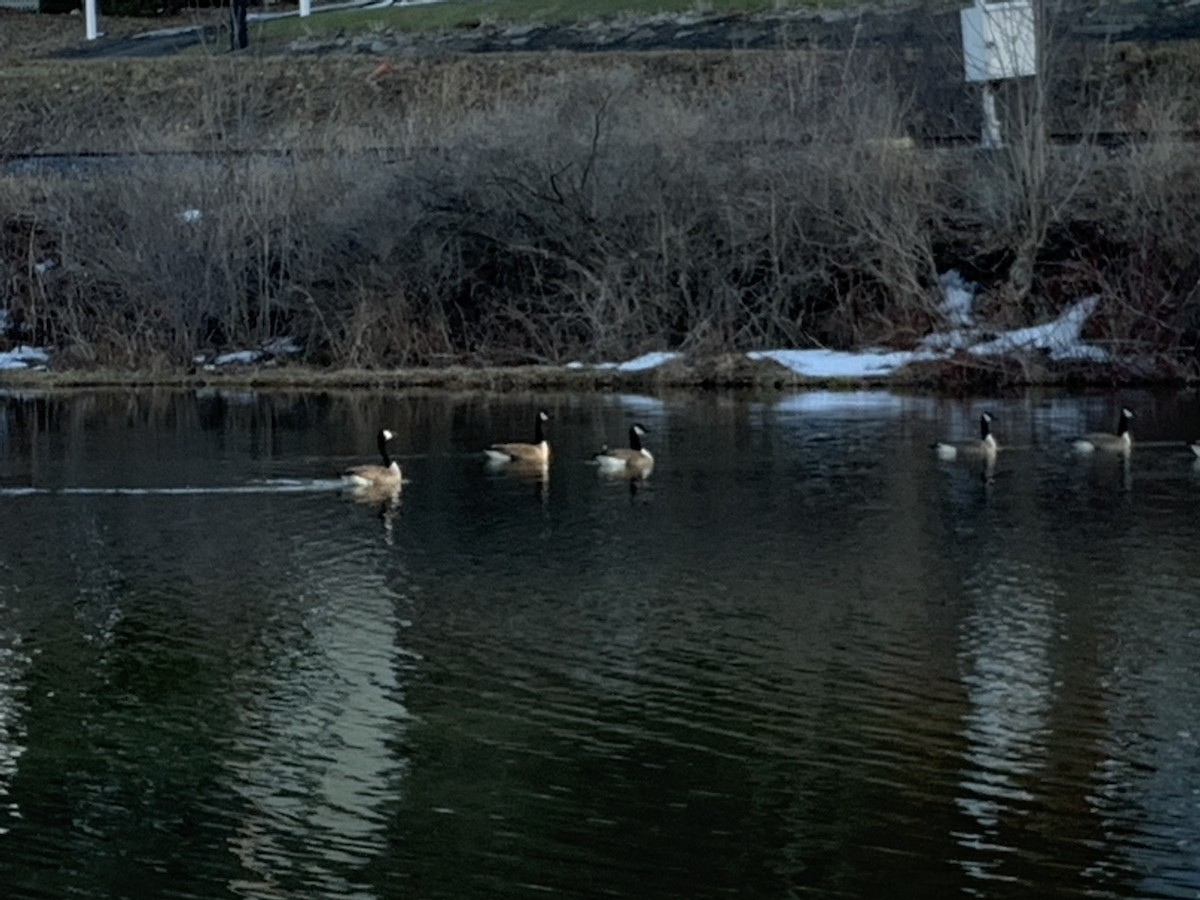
{"points": [[1148, 758], [228, 639], [313, 755], [536, 475], [1005, 647], [13, 665], [1029, 728], [176, 436], [786, 573]]}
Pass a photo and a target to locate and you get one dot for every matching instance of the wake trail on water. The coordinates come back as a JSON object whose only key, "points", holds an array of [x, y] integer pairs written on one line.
{"points": [[271, 486]]}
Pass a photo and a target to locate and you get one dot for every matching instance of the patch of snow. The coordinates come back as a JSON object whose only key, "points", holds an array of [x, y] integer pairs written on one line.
{"points": [[637, 364], [1061, 338], [958, 299], [277, 346], [190, 216], [23, 357], [647, 361], [841, 363], [44, 266], [948, 341], [281, 346], [237, 357]]}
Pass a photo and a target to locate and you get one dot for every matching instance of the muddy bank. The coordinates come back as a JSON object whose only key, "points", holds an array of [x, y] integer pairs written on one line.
{"points": [[721, 372]]}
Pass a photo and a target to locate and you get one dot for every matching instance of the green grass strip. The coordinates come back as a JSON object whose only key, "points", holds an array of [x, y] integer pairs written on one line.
{"points": [[456, 14]]}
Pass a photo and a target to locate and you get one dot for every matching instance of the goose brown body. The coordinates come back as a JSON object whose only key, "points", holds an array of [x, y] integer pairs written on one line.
{"points": [[536, 453]]}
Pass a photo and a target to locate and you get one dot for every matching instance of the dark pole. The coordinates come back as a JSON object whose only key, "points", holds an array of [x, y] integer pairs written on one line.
{"points": [[238, 37]]}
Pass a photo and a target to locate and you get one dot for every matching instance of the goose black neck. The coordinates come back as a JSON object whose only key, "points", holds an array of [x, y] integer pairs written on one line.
{"points": [[387, 460], [538, 434], [1123, 424], [635, 440], [985, 428]]}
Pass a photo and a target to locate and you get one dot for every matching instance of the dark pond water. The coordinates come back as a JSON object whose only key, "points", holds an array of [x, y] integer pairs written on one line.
{"points": [[804, 658]]}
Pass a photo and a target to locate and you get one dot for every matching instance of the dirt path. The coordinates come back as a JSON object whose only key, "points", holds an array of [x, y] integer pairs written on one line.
{"points": [[27, 36]]}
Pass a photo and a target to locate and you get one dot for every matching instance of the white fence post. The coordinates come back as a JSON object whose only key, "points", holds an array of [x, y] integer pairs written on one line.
{"points": [[305, 8], [89, 15], [999, 42]]}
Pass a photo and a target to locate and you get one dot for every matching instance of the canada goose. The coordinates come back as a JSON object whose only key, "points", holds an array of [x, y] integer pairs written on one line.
{"points": [[632, 460], [535, 454], [984, 448], [386, 476], [1121, 442]]}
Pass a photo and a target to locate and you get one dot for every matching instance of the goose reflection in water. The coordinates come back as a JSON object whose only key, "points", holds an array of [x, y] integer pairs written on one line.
{"points": [[384, 501], [1110, 470], [536, 474], [634, 479]]}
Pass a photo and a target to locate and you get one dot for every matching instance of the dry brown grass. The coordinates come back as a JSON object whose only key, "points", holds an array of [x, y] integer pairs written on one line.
{"points": [[535, 210]]}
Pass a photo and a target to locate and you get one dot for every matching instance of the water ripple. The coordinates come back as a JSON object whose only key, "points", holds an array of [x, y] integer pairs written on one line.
{"points": [[803, 659]]}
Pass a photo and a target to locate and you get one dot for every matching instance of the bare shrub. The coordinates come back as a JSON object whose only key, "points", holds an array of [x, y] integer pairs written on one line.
{"points": [[596, 212], [731, 221], [1147, 209], [1021, 197]]}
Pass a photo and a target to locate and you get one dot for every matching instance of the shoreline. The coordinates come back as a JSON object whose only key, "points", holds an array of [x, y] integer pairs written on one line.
{"points": [[725, 372]]}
